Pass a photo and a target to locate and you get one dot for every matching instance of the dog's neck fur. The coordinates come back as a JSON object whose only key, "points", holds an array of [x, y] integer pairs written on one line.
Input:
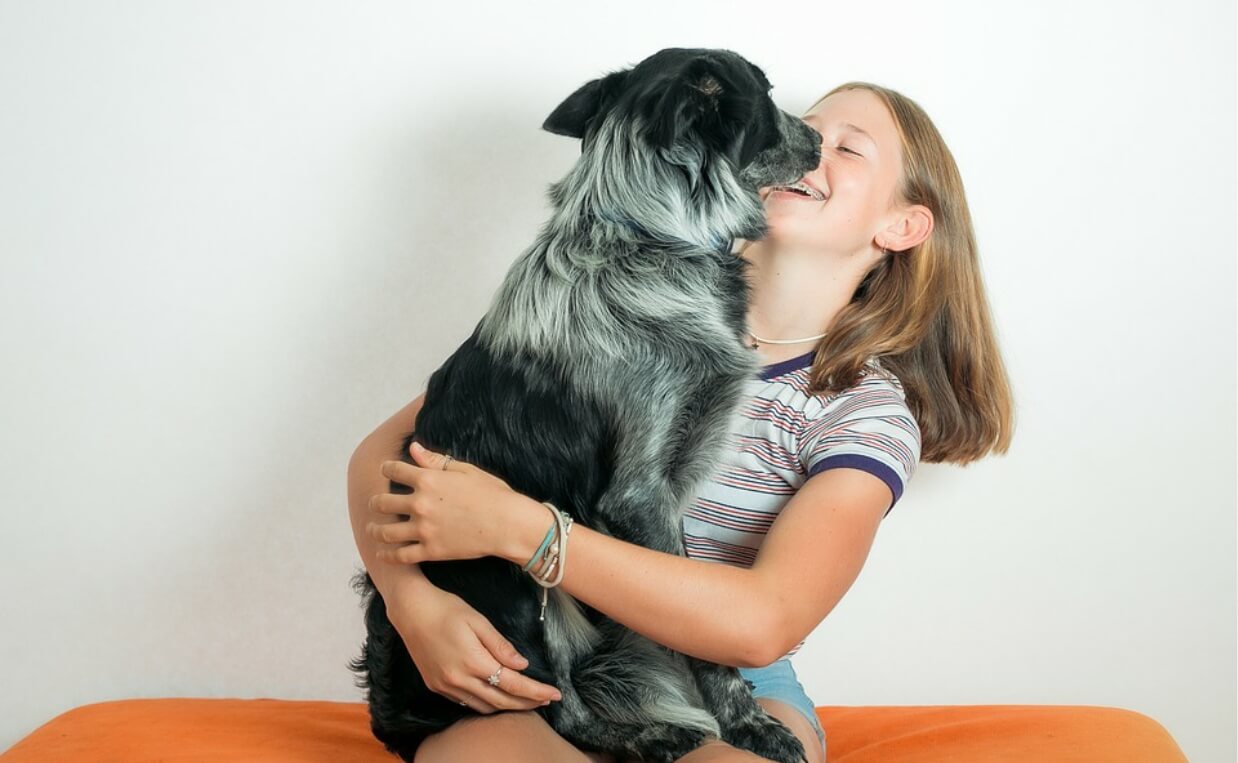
{"points": [[634, 245], [685, 199]]}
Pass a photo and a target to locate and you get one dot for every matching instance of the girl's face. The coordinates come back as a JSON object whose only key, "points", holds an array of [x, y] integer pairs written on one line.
{"points": [[861, 163]]}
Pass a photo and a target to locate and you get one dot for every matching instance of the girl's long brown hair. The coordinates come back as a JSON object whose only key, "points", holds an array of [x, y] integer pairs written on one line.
{"points": [[924, 313]]}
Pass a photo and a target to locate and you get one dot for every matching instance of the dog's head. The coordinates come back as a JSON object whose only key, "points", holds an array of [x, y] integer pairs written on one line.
{"points": [[696, 109]]}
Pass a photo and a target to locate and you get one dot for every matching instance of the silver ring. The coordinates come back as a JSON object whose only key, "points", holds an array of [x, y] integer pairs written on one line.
{"points": [[494, 677], [446, 461]]}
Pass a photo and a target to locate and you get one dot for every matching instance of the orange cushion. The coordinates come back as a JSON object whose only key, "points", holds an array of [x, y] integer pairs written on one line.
{"points": [[1007, 733], [170, 730]]}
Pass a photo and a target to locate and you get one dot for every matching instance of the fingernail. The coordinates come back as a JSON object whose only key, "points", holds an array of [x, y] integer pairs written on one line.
{"points": [[417, 447]]}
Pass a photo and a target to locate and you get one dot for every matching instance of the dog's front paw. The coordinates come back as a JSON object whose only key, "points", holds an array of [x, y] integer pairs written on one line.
{"points": [[768, 737]]}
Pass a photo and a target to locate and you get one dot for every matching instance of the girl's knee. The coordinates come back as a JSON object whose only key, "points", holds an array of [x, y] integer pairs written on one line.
{"points": [[510, 735], [713, 750]]}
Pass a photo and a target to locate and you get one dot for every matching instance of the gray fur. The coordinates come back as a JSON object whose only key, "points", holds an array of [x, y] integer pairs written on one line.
{"points": [[574, 292], [617, 338], [642, 329]]}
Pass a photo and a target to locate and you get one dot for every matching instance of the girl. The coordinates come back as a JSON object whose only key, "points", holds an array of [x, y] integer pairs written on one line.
{"points": [[881, 353]]}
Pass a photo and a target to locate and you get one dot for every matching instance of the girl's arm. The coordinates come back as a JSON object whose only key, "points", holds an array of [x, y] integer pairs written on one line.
{"points": [[457, 510], [718, 612], [444, 635], [395, 582]]}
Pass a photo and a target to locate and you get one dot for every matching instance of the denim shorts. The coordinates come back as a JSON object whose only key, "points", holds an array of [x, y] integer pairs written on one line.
{"points": [[777, 681]]}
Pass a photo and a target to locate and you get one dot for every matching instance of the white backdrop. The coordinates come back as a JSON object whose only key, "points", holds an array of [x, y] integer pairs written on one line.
{"points": [[235, 236]]}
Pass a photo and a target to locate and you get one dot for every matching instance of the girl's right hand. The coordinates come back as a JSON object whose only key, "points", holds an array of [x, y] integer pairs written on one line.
{"points": [[455, 648]]}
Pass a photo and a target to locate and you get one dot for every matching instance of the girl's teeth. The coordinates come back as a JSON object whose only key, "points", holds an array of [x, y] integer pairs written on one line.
{"points": [[798, 190]]}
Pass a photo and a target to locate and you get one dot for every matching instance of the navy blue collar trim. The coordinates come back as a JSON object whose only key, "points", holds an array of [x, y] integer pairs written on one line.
{"points": [[786, 366]]}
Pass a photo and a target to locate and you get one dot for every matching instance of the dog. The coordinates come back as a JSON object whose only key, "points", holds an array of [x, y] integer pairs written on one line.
{"points": [[602, 379]]}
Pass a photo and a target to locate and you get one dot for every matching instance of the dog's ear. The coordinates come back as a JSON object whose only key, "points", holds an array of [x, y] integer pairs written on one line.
{"points": [[725, 107], [573, 117]]}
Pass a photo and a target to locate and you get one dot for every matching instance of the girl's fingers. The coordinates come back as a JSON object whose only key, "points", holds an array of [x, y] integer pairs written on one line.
{"points": [[393, 532], [390, 503], [476, 704], [379, 503], [431, 459], [500, 697], [525, 689], [409, 553], [402, 472]]}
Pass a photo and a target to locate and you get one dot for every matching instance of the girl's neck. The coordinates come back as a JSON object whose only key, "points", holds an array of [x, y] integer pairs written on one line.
{"points": [[794, 294]]}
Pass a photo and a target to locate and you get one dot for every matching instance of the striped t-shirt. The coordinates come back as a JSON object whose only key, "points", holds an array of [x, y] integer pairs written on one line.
{"points": [[780, 436]]}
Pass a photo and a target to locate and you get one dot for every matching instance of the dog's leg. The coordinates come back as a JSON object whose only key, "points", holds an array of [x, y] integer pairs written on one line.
{"points": [[629, 695], [720, 689], [632, 696], [744, 723], [655, 474], [640, 700]]}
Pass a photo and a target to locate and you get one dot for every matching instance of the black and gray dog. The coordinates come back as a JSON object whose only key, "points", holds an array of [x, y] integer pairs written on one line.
{"points": [[603, 379]]}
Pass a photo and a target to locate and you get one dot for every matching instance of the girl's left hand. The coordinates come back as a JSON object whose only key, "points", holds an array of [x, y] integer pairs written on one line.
{"points": [[455, 513]]}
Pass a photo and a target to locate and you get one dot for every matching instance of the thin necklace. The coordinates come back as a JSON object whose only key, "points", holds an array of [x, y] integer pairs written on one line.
{"points": [[782, 341]]}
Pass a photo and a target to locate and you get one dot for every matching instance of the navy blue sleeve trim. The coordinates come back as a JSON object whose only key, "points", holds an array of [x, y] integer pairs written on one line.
{"points": [[864, 463]]}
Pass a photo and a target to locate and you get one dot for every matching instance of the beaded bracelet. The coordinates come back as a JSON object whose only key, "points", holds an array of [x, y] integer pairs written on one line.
{"points": [[542, 548], [546, 573], [556, 558]]}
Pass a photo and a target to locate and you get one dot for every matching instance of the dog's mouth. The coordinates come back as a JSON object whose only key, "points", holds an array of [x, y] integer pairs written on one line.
{"points": [[800, 188]]}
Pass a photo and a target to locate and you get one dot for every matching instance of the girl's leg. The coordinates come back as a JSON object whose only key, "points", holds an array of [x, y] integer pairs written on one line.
{"points": [[715, 751], [520, 736], [515, 736], [525, 737], [796, 721]]}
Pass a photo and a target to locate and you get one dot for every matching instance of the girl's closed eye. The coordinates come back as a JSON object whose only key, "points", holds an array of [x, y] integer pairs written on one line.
{"points": [[844, 148]]}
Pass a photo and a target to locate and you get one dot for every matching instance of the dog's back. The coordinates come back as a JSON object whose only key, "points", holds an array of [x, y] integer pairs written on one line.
{"points": [[602, 379]]}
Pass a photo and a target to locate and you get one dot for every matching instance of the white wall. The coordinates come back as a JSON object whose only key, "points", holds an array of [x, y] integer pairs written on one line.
{"points": [[235, 236]]}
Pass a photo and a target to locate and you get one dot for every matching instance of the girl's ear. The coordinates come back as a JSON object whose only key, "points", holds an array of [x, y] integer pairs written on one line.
{"points": [[573, 117]]}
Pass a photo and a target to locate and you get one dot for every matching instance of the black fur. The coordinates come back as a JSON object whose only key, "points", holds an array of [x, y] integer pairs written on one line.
{"points": [[530, 419]]}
